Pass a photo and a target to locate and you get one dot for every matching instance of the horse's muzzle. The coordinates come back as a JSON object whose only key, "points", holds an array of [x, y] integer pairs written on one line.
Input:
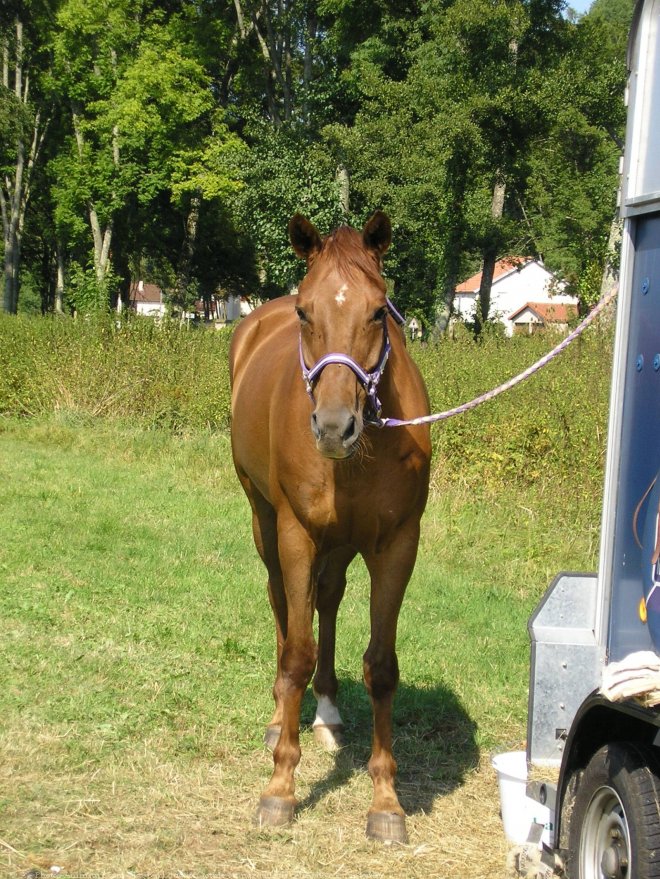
{"points": [[336, 431]]}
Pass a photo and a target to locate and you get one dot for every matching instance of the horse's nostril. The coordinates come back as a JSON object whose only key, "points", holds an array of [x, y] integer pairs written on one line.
{"points": [[349, 432], [335, 430]]}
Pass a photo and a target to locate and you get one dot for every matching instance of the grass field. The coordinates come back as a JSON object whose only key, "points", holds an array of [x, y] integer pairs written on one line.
{"points": [[136, 649]]}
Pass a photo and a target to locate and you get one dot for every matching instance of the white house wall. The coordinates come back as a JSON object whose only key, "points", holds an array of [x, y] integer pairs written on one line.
{"points": [[150, 309], [533, 283]]}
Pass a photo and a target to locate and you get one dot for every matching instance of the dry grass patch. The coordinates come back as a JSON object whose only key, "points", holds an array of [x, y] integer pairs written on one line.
{"points": [[143, 813]]}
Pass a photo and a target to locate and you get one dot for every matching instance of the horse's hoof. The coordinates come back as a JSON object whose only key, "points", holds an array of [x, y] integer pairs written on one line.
{"points": [[274, 812], [272, 735], [386, 827], [329, 736]]}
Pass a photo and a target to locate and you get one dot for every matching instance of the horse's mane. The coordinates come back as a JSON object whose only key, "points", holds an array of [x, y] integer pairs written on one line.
{"points": [[345, 248]]}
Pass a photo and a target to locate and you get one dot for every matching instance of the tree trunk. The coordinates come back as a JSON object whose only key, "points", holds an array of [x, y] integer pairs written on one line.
{"points": [[311, 27], [184, 270], [59, 286], [490, 254], [12, 256], [447, 293], [445, 289], [15, 189], [342, 178], [275, 44], [610, 272], [102, 238]]}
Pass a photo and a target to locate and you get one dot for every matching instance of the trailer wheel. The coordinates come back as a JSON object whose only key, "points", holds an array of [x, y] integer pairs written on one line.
{"points": [[614, 830]]}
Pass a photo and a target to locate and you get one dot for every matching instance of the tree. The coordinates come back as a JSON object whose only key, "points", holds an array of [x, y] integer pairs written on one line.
{"points": [[23, 125], [143, 122], [285, 174], [481, 126], [169, 123], [481, 111], [571, 196]]}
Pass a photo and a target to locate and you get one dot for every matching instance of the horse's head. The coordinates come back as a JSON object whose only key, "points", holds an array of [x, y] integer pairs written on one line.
{"points": [[342, 309]]}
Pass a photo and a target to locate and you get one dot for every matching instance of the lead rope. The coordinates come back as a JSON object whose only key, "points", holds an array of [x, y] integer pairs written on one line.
{"points": [[511, 383]]}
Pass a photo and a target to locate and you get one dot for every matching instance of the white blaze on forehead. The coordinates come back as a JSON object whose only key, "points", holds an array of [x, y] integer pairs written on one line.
{"points": [[340, 298]]}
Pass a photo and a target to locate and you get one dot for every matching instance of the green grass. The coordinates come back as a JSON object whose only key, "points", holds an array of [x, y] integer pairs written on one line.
{"points": [[137, 645]]}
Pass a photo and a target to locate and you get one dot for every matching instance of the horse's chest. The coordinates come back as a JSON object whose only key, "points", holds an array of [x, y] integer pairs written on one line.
{"points": [[353, 511]]}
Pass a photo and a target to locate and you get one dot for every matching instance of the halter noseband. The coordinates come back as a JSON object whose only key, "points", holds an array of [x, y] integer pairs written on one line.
{"points": [[368, 380]]}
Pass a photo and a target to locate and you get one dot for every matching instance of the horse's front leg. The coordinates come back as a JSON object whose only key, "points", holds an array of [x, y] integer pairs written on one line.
{"points": [[264, 529], [296, 666], [390, 570]]}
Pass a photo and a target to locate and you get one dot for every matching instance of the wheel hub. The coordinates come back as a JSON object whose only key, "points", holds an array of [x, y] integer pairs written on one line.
{"points": [[604, 849], [614, 863]]}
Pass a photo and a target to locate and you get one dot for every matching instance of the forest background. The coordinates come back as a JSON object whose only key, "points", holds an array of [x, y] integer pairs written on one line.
{"points": [[170, 141]]}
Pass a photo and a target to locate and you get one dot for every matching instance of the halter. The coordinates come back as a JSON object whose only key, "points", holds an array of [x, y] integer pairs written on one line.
{"points": [[368, 380]]}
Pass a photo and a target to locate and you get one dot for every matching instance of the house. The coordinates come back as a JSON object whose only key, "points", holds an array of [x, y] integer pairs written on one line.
{"points": [[225, 308], [146, 299], [540, 315], [517, 281]]}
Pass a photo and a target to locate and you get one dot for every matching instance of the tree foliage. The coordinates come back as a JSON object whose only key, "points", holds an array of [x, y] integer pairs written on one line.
{"points": [[181, 137]]}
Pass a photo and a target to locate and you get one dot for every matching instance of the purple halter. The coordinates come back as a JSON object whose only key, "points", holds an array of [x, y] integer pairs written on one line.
{"points": [[368, 380]]}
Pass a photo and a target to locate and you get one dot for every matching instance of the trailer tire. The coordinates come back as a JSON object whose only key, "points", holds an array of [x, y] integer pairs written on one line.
{"points": [[614, 830]]}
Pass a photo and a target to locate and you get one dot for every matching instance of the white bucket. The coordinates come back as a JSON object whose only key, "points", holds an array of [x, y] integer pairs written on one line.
{"points": [[519, 811]]}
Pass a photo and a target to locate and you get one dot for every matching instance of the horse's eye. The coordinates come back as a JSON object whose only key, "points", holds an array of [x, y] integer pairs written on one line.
{"points": [[380, 314], [302, 317]]}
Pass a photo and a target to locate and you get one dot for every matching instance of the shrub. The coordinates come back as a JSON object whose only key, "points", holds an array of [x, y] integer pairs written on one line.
{"points": [[551, 425], [163, 374]]}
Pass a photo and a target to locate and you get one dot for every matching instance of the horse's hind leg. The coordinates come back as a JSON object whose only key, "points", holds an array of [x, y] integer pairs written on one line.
{"points": [[331, 583]]}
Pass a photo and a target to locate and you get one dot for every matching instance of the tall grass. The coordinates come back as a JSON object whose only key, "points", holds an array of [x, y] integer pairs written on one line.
{"points": [[550, 428], [160, 373]]}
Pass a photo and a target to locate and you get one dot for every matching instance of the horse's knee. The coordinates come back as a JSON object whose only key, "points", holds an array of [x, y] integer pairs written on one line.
{"points": [[298, 663], [381, 674]]}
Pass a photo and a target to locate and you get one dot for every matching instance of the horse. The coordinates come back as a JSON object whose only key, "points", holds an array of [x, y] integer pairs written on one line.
{"points": [[310, 374]]}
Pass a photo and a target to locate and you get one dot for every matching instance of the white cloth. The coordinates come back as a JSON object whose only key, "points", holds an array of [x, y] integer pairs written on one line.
{"points": [[637, 676]]}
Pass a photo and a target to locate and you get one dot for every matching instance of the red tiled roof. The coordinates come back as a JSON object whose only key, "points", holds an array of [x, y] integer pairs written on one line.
{"points": [[502, 267], [548, 312]]}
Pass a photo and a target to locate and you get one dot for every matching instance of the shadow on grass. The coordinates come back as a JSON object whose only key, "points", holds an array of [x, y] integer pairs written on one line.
{"points": [[434, 742]]}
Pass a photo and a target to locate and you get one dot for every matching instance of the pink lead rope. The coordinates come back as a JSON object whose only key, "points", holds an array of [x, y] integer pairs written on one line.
{"points": [[490, 395]]}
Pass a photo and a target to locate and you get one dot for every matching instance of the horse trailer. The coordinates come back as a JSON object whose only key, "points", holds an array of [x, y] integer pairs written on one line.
{"points": [[594, 695]]}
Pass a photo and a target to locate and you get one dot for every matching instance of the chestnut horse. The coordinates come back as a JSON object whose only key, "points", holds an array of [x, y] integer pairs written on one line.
{"points": [[325, 483]]}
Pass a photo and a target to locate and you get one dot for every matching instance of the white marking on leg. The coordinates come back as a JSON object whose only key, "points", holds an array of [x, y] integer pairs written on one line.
{"points": [[340, 298], [327, 713]]}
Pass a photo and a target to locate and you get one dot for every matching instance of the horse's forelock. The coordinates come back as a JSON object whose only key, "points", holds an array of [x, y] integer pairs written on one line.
{"points": [[345, 248]]}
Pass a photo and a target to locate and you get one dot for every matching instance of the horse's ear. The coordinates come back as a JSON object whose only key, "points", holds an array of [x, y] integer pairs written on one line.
{"points": [[304, 237], [377, 233]]}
